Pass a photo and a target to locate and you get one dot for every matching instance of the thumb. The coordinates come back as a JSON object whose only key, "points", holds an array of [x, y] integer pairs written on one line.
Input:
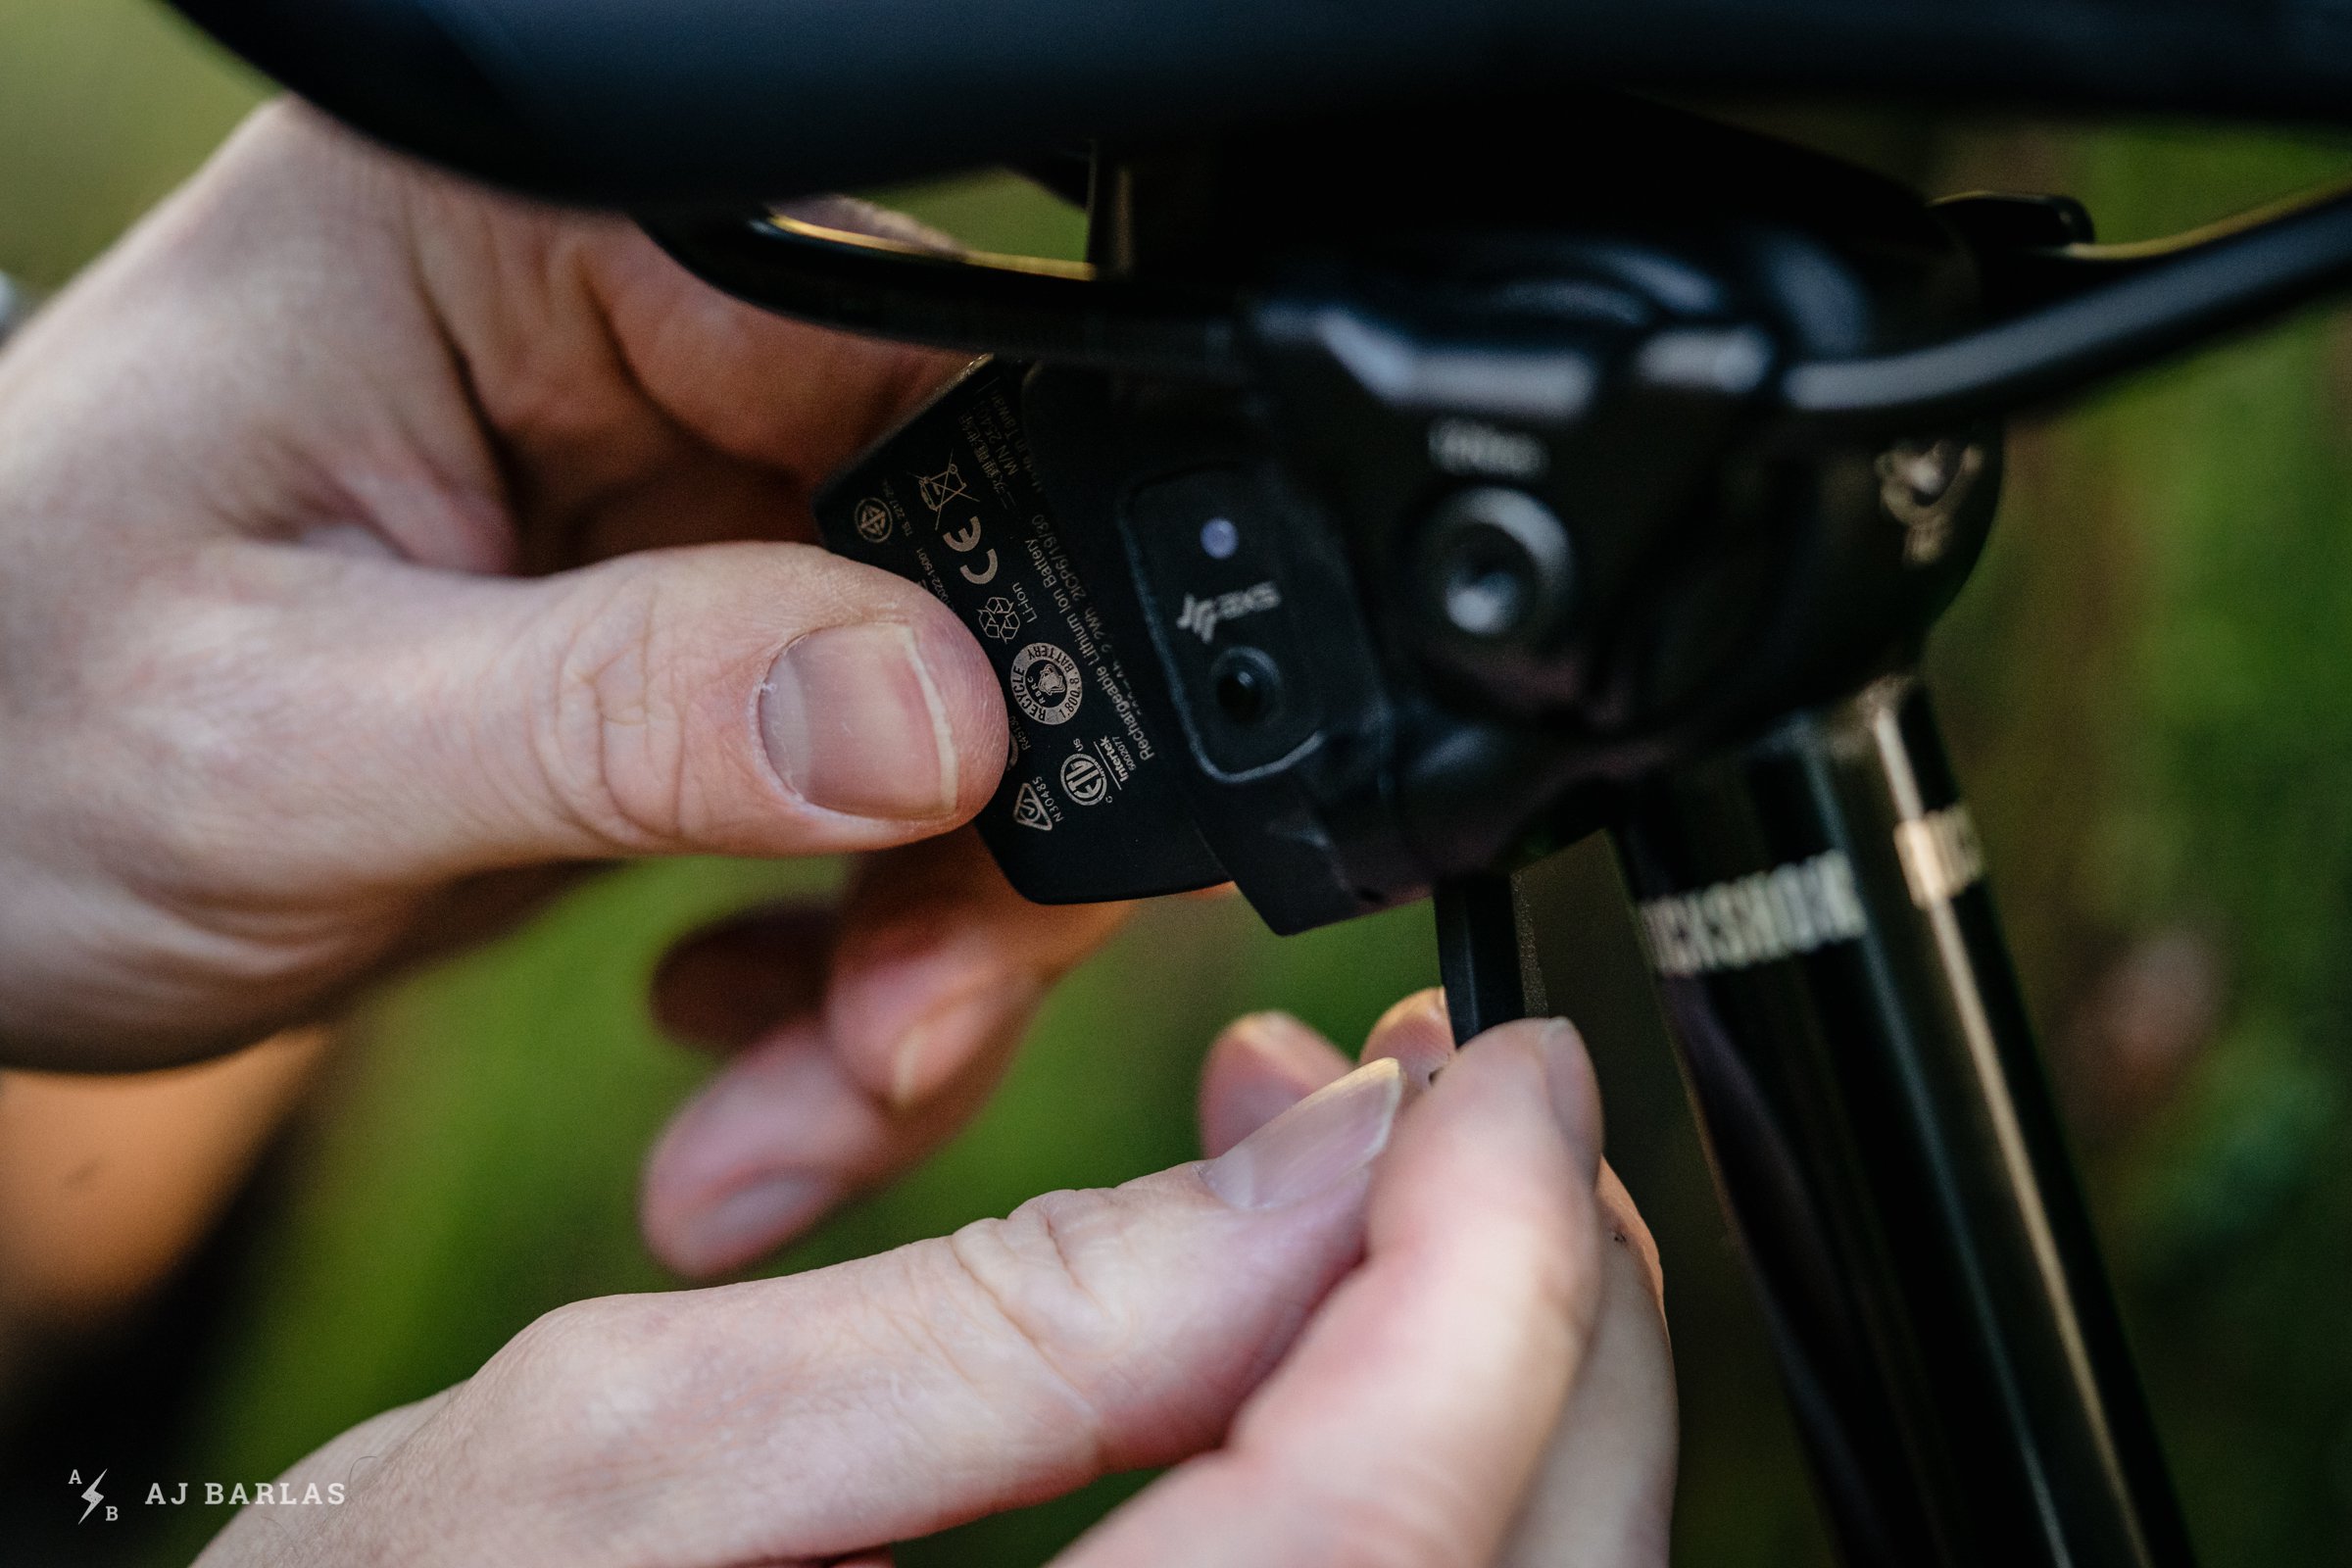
{"points": [[743, 699], [1091, 1331], [1603, 1493]]}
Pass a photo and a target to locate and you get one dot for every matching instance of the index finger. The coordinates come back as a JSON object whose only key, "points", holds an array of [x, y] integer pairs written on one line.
{"points": [[1406, 1425], [887, 1040]]}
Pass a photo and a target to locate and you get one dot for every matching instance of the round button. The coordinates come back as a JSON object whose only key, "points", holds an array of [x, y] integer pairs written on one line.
{"points": [[1496, 566], [1248, 686]]}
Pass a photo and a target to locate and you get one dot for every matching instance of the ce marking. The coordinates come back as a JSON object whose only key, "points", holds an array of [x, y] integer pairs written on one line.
{"points": [[965, 540]]}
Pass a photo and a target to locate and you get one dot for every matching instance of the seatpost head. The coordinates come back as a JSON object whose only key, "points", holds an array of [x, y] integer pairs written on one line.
{"points": [[1498, 520]]}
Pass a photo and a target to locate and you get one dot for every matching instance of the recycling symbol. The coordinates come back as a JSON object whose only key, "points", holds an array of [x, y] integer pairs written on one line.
{"points": [[1001, 619], [873, 521]]}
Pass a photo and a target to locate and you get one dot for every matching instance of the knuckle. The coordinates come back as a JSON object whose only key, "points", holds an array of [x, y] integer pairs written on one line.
{"points": [[608, 731], [1034, 1268], [1026, 1279], [553, 1347], [576, 1378]]}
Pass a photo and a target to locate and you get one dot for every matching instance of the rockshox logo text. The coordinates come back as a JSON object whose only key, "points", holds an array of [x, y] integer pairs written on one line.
{"points": [[1941, 854], [1774, 914]]}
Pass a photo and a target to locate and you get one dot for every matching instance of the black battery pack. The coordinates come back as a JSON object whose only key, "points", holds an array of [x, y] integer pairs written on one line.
{"points": [[1090, 809]]}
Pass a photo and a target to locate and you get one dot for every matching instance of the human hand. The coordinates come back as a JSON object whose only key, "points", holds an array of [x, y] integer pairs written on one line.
{"points": [[1361, 1339], [369, 554]]}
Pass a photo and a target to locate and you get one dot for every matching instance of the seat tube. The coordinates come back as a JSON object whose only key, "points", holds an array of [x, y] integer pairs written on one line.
{"points": [[1853, 1040]]}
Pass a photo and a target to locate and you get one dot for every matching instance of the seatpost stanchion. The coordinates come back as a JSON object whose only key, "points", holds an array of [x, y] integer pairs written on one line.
{"points": [[1855, 1044]]}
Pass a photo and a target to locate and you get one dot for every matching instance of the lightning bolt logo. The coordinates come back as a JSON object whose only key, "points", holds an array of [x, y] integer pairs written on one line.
{"points": [[93, 1496]]}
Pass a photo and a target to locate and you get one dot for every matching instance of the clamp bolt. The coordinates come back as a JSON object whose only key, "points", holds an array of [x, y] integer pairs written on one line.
{"points": [[1497, 566]]}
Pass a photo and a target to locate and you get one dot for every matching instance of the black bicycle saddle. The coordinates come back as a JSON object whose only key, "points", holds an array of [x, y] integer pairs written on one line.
{"points": [[638, 102]]}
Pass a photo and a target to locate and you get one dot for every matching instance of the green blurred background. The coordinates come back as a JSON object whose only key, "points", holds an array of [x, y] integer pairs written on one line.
{"points": [[2147, 684]]}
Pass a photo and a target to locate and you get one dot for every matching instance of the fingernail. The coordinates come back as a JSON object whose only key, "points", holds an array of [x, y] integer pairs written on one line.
{"points": [[1419, 1034], [854, 723], [752, 1219], [1285, 1041], [1322, 1140], [929, 1054], [1574, 1100], [1272, 1062]]}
